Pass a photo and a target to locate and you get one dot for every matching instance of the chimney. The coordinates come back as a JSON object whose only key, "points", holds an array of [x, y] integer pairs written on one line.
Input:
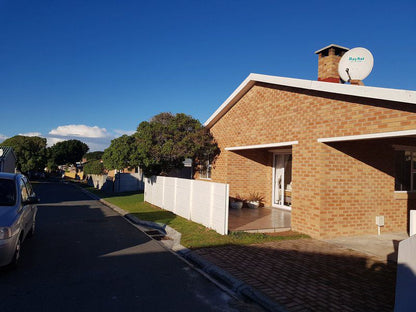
{"points": [[328, 59]]}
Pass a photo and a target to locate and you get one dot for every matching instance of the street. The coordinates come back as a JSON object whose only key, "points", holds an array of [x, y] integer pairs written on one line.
{"points": [[86, 257]]}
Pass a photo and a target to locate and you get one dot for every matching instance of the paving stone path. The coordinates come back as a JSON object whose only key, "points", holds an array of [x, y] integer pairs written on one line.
{"points": [[310, 275]]}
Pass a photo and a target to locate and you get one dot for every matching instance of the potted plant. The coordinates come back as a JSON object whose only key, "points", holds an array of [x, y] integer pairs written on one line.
{"points": [[236, 202], [254, 200]]}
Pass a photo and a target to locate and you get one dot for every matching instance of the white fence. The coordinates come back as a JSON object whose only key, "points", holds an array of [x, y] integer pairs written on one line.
{"points": [[128, 182], [202, 202], [123, 182], [406, 276], [97, 180]]}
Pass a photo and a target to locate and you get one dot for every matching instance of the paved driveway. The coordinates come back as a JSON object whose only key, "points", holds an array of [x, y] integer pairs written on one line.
{"points": [[85, 257], [310, 275]]}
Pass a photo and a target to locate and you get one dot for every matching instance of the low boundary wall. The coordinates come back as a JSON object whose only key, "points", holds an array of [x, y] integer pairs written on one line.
{"points": [[200, 201]]}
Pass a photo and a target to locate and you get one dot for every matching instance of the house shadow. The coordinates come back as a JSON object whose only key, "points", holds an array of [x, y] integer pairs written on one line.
{"points": [[309, 277]]}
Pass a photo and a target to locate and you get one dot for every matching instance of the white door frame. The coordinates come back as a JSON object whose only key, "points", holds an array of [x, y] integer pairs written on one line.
{"points": [[275, 154]]}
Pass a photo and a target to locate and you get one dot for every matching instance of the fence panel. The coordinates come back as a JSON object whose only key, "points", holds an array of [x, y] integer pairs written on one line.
{"points": [[406, 276], [129, 182], [200, 201]]}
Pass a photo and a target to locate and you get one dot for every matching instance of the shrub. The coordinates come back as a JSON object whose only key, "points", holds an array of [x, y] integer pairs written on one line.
{"points": [[94, 167]]}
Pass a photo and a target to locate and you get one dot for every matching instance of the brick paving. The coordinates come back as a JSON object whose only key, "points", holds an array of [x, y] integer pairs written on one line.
{"points": [[310, 275]]}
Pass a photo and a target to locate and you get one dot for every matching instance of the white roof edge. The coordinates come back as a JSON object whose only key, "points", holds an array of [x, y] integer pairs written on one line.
{"points": [[238, 148], [331, 45], [396, 95], [241, 89], [379, 135]]}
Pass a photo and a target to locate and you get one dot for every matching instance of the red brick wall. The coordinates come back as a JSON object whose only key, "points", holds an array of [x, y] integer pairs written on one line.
{"points": [[320, 206]]}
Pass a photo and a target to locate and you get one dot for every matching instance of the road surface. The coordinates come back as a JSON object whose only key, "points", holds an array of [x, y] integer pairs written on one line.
{"points": [[86, 257]]}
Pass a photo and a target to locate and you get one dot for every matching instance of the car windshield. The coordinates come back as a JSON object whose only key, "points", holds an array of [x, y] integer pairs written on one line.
{"points": [[7, 192]]}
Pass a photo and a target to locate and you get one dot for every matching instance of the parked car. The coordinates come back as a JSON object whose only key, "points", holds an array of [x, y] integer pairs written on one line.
{"points": [[17, 215]]}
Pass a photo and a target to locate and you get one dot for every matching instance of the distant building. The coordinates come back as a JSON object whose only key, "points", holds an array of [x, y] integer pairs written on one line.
{"points": [[7, 159]]}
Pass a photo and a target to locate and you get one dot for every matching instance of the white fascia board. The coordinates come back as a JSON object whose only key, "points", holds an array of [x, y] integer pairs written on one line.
{"points": [[380, 135], [396, 95], [270, 145], [234, 97]]}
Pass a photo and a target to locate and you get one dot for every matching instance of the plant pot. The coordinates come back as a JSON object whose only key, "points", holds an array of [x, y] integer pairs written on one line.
{"points": [[236, 205], [253, 204]]}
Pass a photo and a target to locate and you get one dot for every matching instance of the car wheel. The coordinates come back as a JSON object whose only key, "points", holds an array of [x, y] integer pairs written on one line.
{"points": [[16, 255]]}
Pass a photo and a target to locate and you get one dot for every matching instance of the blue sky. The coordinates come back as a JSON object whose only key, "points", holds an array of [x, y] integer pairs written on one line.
{"points": [[93, 70]]}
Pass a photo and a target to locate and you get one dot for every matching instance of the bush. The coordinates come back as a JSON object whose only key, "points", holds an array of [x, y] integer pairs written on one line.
{"points": [[94, 167]]}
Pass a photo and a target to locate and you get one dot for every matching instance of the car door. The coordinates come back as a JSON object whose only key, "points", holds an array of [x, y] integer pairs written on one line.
{"points": [[26, 209], [33, 206]]}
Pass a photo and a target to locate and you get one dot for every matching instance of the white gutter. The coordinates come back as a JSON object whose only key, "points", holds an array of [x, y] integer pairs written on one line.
{"points": [[380, 135], [270, 145]]}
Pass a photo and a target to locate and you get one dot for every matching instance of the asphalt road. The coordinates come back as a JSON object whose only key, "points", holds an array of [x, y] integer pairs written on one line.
{"points": [[86, 257]]}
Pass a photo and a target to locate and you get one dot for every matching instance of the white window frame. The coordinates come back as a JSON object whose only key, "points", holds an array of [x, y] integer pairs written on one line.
{"points": [[412, 150], [205, 174], [275, 154]]}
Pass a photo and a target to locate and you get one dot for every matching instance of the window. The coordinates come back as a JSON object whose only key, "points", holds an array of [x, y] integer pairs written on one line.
{"points": [[405, 171], [29, 187], [7, 192], [24, 191], [205, 172]]}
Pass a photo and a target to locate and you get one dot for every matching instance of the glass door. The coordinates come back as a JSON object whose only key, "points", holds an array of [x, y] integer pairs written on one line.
{"points": [[282, 180]]}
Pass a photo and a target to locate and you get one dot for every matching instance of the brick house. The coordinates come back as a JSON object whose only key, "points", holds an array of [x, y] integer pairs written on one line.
{"points": [[7, 159], [337, 155]]}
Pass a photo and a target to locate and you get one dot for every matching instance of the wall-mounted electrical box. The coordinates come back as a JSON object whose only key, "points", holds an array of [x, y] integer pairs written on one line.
{"points": [[380, 220]]}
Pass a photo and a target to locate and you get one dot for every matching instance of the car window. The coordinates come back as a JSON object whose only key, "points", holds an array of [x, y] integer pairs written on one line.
{"points": [[23, 190], [29, 187], [7, 192]]}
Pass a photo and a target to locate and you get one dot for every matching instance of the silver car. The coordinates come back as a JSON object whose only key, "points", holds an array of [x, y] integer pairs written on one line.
{"points": [[17, 215]]}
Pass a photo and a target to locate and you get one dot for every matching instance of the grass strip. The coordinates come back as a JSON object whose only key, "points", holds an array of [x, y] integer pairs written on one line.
{"points": [[194, 235]]}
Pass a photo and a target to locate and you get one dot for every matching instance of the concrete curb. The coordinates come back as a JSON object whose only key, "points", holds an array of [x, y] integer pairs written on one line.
{"points": [[214, 272], [237, 286]]}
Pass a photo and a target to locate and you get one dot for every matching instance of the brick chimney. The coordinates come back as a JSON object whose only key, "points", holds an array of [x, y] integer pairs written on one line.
{"points": [[328, 60]]}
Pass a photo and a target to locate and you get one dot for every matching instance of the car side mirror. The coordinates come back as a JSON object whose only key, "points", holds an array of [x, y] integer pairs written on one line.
{"points": [[32, 200]]}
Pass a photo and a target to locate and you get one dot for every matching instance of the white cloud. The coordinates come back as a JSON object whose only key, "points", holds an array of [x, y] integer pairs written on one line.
{"points": [[3, 137], [95, 144], [31, 134], [81, 131], [121, 132], [52, 141]]}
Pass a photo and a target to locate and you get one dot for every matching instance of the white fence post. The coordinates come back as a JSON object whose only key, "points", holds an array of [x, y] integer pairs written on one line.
{"points": [[412, 227], [211, 206], [175, 195], [226, 215], [191, 198]]}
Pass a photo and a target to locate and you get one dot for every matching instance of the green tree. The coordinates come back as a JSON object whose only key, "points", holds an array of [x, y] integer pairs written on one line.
{"points": [[119, 154], [94, 155], [166, 140], [67, 152], [94, 167], [30, 152]]}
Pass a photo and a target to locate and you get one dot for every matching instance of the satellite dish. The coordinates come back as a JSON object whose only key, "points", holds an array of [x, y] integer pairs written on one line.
{"points": [[356, 64]]}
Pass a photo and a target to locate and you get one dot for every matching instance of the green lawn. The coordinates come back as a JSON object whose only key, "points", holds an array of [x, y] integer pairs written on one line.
{"points": [[194, 235]]}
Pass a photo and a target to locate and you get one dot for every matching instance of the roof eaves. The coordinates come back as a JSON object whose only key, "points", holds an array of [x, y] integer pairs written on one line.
{"points": [[396, 95], [232, 99]]}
